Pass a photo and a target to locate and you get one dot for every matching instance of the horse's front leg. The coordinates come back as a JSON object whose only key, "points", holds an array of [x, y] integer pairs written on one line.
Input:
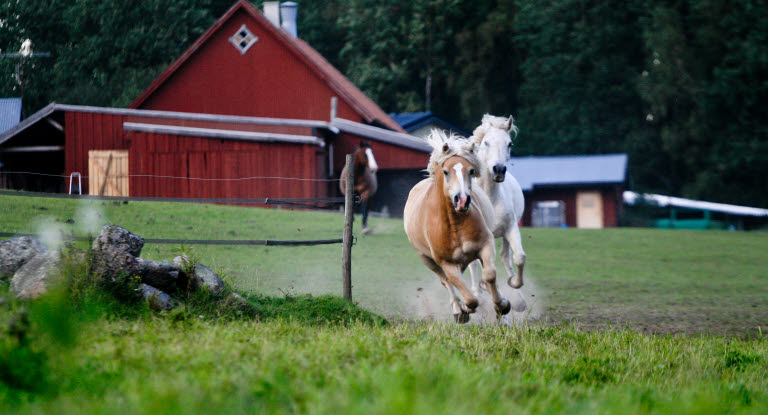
{"points": [[488, 258], [514, 239]]}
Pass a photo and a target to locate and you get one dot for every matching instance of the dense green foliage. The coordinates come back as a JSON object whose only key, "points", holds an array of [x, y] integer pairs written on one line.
{"points": [[677, 84]]}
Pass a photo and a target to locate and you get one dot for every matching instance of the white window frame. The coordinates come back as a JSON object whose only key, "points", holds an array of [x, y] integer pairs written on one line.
{"points": [[249, 38]]}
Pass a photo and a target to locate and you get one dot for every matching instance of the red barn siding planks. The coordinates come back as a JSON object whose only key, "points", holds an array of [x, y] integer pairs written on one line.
{"points": [[224, 159]]}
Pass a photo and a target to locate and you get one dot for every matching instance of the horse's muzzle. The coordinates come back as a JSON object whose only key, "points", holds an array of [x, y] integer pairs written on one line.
{"points": [[499, 171], [461, 203]]}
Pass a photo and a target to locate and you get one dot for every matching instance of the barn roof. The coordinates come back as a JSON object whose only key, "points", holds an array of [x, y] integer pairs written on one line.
{"points": [[411, 121], [10, 113], [335, 126], [569, 170], [364, 106]]}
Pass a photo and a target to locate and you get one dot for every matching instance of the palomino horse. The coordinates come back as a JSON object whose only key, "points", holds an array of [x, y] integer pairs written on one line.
{"points": [[447, 222], [364, 168], [494, 147]]}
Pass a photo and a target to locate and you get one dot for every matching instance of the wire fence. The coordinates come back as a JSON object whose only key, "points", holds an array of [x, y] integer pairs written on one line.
{"points": [[209, 179], [297, 202], [347, 239]]}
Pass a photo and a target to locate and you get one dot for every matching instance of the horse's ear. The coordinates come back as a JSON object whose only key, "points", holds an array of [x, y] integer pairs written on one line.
{"points": [[446, 148], [509, 124]]}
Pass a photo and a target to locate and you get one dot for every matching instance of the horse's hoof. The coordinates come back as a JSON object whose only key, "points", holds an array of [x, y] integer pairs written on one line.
{"points": [[367, 230], [504, 321], [503, 308], [470, 305], [515, 281], [461, 318]]}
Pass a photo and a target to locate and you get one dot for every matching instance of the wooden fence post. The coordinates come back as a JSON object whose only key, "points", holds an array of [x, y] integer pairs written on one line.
{"points": [[346, 250]]}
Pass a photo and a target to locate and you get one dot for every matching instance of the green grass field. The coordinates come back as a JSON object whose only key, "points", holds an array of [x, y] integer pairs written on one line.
{"points": [[622, 321]]}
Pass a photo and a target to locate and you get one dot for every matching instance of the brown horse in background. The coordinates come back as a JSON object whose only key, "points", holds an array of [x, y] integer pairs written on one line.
{"points": [[364, 168], [449, 223]]}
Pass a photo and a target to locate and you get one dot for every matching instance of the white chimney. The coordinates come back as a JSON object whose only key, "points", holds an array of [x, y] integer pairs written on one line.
{"points": [[288, 11], [272, 12]]}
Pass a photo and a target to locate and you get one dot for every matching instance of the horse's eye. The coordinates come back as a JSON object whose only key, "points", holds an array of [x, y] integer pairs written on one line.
{"points": [[471, 172], [486, 144], [445, 172]]}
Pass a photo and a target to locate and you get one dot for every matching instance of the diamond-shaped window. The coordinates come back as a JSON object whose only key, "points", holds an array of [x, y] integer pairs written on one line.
{"points": [[243, 39]]}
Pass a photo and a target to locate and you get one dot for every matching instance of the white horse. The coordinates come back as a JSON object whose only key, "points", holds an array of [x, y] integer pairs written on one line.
{"points": [[494, 147]]}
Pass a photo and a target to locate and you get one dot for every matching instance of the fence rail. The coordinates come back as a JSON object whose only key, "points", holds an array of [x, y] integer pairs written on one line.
{"points": [[263, 201], [347, 240], [257, 242]]}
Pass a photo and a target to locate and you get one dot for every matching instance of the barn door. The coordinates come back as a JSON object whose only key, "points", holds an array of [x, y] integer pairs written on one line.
{"points": [[589, 209], [108, 172]]}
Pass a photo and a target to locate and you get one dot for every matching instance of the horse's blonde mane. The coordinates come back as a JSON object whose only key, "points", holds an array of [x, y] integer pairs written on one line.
{"points": [[490, 121], [445, 146]]}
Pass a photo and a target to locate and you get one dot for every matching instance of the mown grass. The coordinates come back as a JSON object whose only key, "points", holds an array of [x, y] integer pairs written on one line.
{"points": [[293, 353], [159, 365], [655, 280]]}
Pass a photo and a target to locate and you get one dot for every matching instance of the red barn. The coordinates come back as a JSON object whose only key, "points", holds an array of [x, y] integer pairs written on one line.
{"points": [[247, 99]]}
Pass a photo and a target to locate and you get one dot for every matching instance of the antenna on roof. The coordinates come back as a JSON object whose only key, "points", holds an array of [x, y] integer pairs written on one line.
{"points": [[25, 53]]}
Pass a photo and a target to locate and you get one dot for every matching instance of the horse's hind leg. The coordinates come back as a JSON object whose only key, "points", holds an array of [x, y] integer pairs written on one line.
{"points": [[514, 239], [518, 304], [488, 257], [453, 274], [459, 315], [475, 278]]}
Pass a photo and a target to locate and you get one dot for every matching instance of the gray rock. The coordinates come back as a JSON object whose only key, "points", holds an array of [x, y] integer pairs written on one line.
{"points": [[34, 277], [111, 263], [163, 276], [156, 298], [237, 300], [14, 253], [113, 235], [201, 276]]}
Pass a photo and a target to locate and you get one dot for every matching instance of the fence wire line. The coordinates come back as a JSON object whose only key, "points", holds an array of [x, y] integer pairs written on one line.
{"points": [[178, 177], [251, 242], [262, 201]]}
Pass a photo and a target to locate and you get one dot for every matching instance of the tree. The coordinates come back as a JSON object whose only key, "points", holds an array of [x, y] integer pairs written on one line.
{"points": [[578, 94]]}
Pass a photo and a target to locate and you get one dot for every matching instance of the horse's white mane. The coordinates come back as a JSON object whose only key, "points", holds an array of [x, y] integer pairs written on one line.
{"points": [[490, 121], [445, 146]]}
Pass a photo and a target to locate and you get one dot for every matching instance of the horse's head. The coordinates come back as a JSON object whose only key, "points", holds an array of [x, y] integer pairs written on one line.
{"points": [[494, 144], [457, 182], [364, 157], [453, 163]]}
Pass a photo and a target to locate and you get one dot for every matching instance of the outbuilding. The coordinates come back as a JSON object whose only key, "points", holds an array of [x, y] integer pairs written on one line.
{"points": [[571, 191]]}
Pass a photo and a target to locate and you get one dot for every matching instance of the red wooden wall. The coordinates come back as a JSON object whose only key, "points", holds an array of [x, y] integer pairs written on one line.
{"points": [[267, 81], [172, 155], [86, 131]]}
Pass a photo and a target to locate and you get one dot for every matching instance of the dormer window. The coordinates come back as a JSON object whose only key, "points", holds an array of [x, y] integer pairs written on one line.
{"points": [[243, 39]]}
